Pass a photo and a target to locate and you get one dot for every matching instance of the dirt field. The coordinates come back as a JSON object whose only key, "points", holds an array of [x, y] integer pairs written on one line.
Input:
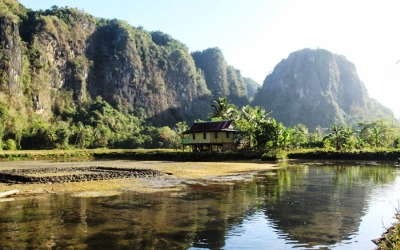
{"points": [[176, 175]]}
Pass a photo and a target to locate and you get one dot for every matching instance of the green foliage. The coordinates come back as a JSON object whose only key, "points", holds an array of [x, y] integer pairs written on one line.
{"points": [[161, 38], [223, 110], [260, 131], [396, 142], [100, 125], [221, 79], [3, 113], [158, 62], [390, 240], [316, 138], [64, 104], [11, 9], [341, 137], [263, 131], [299, 136], [181, 127], [10, 145], [380, 133], [38, 135], [82, 136], [168, 138], [212, 62]]}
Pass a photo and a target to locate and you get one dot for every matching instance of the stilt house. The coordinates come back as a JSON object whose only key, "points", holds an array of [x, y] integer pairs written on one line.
{"points": [[210, 136]]}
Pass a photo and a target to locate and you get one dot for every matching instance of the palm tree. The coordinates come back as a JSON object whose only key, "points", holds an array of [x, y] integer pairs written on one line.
{"points": [[260, 127], [379, 133], [341, 134], [223, 110]]}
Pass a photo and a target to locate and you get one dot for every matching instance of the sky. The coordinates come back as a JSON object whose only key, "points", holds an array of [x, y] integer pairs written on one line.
{"points": [[255, 35]]}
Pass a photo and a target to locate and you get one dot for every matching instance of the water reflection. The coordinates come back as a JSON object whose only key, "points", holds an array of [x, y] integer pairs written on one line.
{"points": [[307, 205], [321, 205]]}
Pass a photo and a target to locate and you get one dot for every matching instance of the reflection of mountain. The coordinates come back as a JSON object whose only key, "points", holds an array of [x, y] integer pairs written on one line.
{"points": [[198, 218], [320, 206], [309, 208]]}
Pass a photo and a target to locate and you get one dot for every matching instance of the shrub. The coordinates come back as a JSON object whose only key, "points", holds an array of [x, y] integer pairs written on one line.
{"points": [[11, 145]]}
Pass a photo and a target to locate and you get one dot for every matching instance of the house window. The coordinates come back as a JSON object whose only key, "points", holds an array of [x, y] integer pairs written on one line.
{"points": [[227, 135], [216, 135], [204, 136], [194, 136]]}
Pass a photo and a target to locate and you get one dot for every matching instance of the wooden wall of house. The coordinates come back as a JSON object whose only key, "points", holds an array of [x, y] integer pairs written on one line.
{"points": [[210, 138]]}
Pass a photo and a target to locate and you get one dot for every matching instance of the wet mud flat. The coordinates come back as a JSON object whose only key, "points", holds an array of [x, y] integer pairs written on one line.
{"points": [[159, 176], [73, 174]]}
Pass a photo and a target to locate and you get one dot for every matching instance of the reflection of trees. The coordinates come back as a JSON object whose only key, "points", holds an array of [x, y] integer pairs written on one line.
{"points": [[309, 208], [200, 217], [321, 205]]}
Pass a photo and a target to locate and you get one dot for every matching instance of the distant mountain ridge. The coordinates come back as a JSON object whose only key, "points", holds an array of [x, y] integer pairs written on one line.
{"points": [[317, 88]]}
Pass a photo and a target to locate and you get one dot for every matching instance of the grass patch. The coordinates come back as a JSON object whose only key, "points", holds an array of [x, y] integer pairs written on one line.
{"points": [[174, 155], [84, 154], [391, 238], [320, 154]]}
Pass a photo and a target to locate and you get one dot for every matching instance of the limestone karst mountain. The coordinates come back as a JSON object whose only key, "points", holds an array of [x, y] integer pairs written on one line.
{"points": [[317, 88], [54, 60], [222, 79]]}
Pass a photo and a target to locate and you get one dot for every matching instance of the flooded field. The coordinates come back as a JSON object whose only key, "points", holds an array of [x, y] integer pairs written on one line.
{"points": [[301, 206]]}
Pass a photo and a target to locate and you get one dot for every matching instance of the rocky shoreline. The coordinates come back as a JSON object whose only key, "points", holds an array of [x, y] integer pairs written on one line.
{"points": [[73, 174]]}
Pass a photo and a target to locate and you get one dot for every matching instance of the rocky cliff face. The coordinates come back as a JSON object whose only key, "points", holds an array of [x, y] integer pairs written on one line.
{"points": [[55, 60], [315, 88], [133, 69], [221, 79], [11, 58], [56, 50], [12, 70], [60, 58]]}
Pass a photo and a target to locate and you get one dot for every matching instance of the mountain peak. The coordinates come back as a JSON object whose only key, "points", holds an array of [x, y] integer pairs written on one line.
{"points": [[316, 88]]}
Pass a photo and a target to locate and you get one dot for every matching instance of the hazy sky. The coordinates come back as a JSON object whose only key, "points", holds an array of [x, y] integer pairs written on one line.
{"points": [[255, 35]]}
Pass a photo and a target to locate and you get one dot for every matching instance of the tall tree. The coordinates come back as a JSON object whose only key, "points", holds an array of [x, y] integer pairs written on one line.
{"points": [[179, 128], [380, 133], [341, 135], [299, 136], [263, 131]]}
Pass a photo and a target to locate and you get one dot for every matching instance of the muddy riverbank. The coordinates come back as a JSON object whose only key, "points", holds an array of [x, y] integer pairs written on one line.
{"points": [[173, 175]]}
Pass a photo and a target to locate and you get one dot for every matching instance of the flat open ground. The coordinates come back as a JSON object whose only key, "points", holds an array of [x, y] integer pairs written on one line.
{"points": [[176, 175]]}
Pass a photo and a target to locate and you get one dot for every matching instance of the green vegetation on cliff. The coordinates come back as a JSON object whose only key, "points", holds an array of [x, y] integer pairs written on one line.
{"points": [[222, 79], [71, 80], [54, 64], [317, 88]]}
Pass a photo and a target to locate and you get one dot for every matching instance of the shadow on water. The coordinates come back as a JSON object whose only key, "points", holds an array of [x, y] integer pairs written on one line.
{"points": [[308, 205]]}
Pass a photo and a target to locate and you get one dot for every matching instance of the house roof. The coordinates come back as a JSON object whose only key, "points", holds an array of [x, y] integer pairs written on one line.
{"points": [[211, 126]]}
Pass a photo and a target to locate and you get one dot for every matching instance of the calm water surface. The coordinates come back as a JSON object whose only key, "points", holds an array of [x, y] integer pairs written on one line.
{"points": [[300, 206]]}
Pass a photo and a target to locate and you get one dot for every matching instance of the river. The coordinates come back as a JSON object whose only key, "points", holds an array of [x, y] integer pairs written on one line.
{"points": [[299, 206]]}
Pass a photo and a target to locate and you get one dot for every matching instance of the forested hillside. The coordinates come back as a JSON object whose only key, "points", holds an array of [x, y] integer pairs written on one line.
{"points": [[57, 65], [72, 80]]}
